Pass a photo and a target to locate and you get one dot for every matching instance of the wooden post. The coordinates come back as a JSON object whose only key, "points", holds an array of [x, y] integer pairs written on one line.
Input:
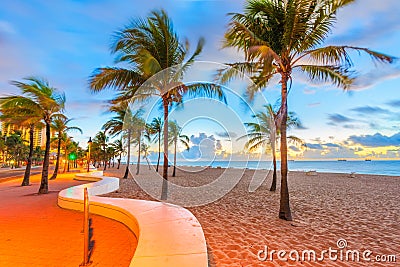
{"points": [[86, 235]]}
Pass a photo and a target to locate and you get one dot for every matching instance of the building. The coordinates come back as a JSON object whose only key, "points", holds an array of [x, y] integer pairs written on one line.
{"points": [[39, 135]]}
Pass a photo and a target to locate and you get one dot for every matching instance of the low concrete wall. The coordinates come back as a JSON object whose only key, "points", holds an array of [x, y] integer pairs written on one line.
{"points": [[168, 235]]}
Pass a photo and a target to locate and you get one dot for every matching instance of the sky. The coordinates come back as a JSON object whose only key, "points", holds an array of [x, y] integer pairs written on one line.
{"points": [[65, 41]]}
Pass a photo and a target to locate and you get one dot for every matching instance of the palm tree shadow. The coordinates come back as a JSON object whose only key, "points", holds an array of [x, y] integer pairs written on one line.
{"points": [[37, 194]]}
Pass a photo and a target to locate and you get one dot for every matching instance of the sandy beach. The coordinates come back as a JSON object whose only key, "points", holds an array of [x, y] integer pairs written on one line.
{"points": [[361, 213]]}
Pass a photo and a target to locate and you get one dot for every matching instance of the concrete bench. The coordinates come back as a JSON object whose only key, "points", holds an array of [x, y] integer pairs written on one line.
{"points": [[168, 235]]}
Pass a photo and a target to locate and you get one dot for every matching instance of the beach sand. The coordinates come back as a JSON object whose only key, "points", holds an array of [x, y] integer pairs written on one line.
{"points": [[326, 207]]}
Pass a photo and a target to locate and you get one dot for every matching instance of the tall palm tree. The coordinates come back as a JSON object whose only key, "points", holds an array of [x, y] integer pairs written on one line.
{"points": [[124, 121], [150, 46], [60, 125], [145, 151], [16, 148], [101, 139], [39, 97], [138, 134], [280, 36], [119, 150], [265, 132], [176, 136], [19, 116], [2, 146], [69, 146], [156, 129]]}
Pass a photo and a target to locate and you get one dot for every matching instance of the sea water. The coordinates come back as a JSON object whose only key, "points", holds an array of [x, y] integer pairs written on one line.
{"points": [[381, 167]]}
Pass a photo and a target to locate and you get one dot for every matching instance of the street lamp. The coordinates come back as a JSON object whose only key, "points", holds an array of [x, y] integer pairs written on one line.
{"points": [[89, 145]]}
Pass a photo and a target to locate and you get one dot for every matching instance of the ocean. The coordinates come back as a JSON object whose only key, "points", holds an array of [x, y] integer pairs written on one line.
{"points": [[381, 167]]}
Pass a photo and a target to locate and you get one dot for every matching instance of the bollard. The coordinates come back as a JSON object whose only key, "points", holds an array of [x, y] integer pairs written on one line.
{"points": [[87, 230]]}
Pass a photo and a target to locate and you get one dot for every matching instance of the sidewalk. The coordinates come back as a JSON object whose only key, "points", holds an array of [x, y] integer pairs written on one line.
{"points": [[34, 231], [18, 169]]}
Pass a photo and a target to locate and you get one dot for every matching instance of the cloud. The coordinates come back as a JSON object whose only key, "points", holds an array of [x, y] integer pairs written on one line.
{"points": [[331, 145], [196, 140], [376, 75], [394, 103], [309, 91], [314, 146], [203, 147], [338, 118], [301, 127], [352, 126], [314, 104], [376, 140], [226, 134], [6, 27], [370, 110], [366, 21]]}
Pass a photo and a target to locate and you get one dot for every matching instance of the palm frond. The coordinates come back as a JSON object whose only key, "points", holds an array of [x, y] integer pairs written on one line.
{"points": [[115, 78], [295, 140], [339, 76], [339, 55], [239, 70]]}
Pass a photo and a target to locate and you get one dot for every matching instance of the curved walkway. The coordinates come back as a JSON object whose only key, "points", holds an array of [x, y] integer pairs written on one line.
{"points": [[168, 235], [34, 231]]}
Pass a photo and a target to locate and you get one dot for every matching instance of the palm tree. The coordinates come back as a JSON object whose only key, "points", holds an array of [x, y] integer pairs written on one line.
{"points": [[38, 153], [40, 98], [18, 116], [111, 155], [60, 125], [156, 129], [150, 46], [123, 121], [138, 134], [265, 132], [145, 151], [278, 37], [69, 146], [72, 153], [2, 146], [119, 150], [101, 139], [175, 136], [16, 148]]}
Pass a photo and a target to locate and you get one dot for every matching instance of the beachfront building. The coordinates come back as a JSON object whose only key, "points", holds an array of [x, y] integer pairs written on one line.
{"points": [[39, 135]]}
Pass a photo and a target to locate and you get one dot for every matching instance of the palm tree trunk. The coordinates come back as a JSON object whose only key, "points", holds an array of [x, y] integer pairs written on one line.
{"points": [[66, 158], [173, 173], [284, 209], [148, 162], [159, 150], [273, 185], [129, 155], [44, 183], [164, 190], [105, 163], [29, 164], [119, 160], [138, 160], [54, 176]]}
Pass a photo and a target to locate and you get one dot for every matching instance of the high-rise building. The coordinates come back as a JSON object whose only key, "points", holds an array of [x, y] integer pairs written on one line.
{"points": [[39, 134]]}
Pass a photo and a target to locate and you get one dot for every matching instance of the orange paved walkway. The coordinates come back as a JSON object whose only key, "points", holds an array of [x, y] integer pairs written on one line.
{"points": [[34, 231]]}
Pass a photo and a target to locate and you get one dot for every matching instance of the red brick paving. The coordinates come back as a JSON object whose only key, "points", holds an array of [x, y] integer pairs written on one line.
{"points": [[34, 231]]}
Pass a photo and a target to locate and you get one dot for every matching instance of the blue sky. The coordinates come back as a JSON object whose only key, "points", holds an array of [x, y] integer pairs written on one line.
{"points": [[64, 41]]}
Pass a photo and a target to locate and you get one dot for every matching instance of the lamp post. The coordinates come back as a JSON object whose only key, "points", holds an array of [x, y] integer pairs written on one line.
{"points": [[89, 145]]}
